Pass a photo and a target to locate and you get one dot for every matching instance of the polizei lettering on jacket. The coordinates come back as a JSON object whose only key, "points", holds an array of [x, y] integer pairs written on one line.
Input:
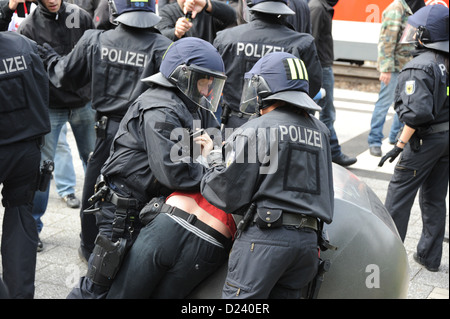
{"points": [[120, 56], [13, 64], [256, 50], [299, 134]]}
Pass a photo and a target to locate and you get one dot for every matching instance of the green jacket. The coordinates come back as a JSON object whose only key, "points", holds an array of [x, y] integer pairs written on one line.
{"points": [[392, 55]]}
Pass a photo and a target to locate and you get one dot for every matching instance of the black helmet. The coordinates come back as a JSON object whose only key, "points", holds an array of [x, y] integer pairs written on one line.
{"points": [[428, 27], [196, 68], [276, 7], [138, 14], [277, 76]]}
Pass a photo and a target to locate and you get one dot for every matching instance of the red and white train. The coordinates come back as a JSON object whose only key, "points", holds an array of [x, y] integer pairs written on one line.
{"points": [[356, 28]]}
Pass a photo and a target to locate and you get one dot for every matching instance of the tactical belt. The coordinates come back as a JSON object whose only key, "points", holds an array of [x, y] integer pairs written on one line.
{"points": [[122, 202], [123, 205], [300, 221], [441, 127], [193, 220]]}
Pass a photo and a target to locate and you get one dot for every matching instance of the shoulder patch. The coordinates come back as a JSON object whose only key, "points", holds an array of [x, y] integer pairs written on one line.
{"points": [[410, 87]]}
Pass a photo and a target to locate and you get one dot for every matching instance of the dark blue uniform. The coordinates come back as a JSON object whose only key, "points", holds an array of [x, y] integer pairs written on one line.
{"points": [[113, 62], [422, 103], [243, 45], [280, 164], [23, 121]]}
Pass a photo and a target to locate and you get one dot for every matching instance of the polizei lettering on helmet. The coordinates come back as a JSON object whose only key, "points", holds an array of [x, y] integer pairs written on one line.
{"points": [[124, 57], [13, 64], [256, 50]]}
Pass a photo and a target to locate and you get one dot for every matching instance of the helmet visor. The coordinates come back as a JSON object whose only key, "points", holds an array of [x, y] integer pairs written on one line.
{"points": [[253, 86], [409, 35], [202, 86]]}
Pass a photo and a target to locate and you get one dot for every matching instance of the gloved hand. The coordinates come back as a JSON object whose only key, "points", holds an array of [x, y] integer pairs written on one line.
{"points": [[47, 53], [392, 154]]}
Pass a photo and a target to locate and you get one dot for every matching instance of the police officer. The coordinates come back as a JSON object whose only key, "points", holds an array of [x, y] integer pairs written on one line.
{"points": [[61, 25], [150, 154], [24, 120], [243, 45], [113, 62], [422, 104], [278, 171]]}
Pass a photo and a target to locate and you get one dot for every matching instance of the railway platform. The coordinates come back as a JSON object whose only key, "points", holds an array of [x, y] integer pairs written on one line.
{"points": [[59, 267]]}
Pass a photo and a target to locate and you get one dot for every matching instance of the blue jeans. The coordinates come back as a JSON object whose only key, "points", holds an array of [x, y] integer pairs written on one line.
{"points": [[385, 100], [65, 178], [82, 121], [328, 113]]}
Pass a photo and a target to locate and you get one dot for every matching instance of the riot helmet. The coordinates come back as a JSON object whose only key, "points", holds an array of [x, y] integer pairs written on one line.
{"points": [[133, 13], [275, 7], [428, 27], [278, 76], [196, 68]]}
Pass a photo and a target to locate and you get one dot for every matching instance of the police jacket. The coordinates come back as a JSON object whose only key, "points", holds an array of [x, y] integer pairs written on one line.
{"points": [[422, 91], [113, 63], [61, 30], [205, 25], [23, 90], [280, 160], [147, 155], [243, 45]]}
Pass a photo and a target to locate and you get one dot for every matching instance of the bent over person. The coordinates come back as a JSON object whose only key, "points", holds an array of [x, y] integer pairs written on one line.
{"points": [[24, 120], [278, 171]]}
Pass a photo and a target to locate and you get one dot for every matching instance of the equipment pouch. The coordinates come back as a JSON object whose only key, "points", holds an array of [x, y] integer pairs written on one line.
{"points": [[415, 142], [45, 175], [268, 218], [100, 127], [151, 210], [106, 261]]}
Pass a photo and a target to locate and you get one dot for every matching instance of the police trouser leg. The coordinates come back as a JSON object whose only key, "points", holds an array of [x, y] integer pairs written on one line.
{"points": [[18, 174], [86, 288], [402, 190], [275, 263], [19, 243], [89, 228], [433, 207]]}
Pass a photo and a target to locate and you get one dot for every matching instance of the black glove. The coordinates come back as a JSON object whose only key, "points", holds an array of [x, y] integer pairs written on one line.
{"points": [[392, 154], [47, 53]]}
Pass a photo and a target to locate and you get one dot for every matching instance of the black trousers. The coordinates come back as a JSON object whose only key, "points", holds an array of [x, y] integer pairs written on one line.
{"points": [[89, 228], [19, 169], [427, 170]]}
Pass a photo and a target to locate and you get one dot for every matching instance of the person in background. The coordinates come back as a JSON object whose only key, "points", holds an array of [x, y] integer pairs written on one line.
{"points": [[301, 21], [208, 18], [322, 12], [392, 57], [64, 174], [243, 45]]}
